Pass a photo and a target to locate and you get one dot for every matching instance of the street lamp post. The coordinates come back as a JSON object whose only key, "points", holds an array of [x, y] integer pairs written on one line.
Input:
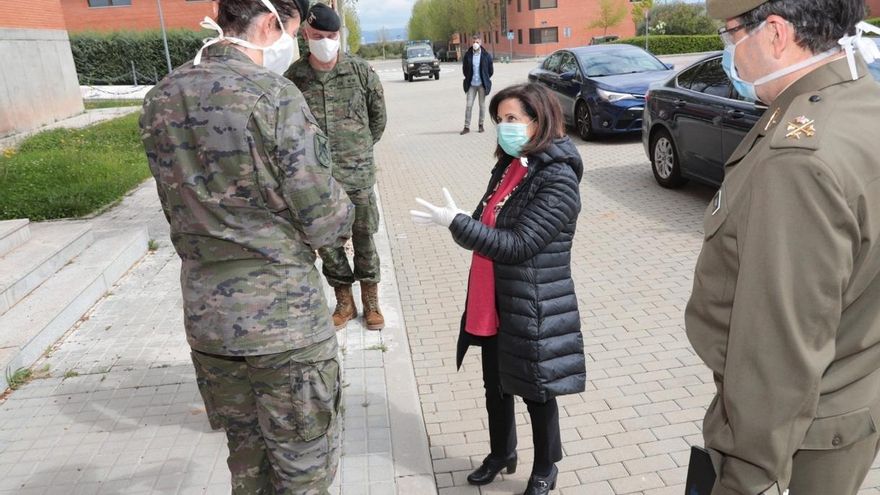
{"points": [[647, 29], [164, 36]]}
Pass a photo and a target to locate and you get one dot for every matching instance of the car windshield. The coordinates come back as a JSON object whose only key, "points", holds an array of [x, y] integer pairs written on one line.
{"points": [[612, 63], [419, 52]]}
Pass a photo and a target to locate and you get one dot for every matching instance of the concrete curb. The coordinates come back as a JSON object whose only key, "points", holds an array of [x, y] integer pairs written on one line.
{"points": [[409, 436]]}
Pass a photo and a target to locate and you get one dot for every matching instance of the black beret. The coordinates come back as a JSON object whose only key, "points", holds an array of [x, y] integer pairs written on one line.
{"points": [[323, 18]]}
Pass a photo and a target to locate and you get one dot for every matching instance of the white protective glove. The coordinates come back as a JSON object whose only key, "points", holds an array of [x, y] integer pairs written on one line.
{"points": [[439, 215]]}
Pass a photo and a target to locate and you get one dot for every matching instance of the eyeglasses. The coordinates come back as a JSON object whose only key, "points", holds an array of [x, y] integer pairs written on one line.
{"points": [[727, 33]]}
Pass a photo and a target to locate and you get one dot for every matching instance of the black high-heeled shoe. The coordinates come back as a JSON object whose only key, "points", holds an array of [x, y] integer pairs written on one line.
{"points": [[541, 485], [490, 468]]}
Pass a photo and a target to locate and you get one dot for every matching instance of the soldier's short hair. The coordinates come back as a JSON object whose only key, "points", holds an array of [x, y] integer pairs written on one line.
{"points": [[236, 16], [818, 24]]}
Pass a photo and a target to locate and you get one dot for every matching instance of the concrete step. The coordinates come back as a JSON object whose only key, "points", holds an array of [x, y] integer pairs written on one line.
{"points": [[13, 233], [50, 247], [42, 317]]}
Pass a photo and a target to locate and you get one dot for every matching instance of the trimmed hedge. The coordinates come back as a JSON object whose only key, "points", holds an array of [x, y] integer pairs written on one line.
{"points": [[106, 58], [670, 45], [875, 21]]}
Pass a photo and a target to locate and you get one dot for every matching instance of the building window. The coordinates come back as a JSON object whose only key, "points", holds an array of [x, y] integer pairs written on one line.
{"points": [[108, 3], [519, 5], [542, 4], [496, 37], [519, 36], [543, 35]]}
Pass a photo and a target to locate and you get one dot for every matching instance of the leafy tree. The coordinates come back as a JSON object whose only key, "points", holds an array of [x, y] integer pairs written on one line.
{"points": [[638, 11], [611, 12], [680, 18], [354, 30]]}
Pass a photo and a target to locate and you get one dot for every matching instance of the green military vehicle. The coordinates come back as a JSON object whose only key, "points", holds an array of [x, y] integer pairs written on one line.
{"points": [[418, 60]]}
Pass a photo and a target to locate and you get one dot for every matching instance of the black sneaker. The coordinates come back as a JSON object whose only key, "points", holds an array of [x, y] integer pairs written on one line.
{"points": [[464, 131], [481, 129]]}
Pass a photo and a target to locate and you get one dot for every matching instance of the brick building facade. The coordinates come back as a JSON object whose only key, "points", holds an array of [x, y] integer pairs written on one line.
{"points": [[133, 15], [541, 27]]}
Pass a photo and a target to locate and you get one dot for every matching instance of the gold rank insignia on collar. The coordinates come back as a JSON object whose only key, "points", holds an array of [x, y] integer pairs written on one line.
{"points": [[801, 127]]}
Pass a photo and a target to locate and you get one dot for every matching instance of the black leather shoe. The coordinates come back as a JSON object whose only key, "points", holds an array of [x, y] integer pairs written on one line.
{"points": [[481, 129], [490, 468], [541, 485], [464, 131]]}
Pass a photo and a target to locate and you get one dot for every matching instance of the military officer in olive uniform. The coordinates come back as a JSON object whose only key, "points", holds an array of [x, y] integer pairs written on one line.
{"points": [[244, 176], [346, 96], [785, 307]]}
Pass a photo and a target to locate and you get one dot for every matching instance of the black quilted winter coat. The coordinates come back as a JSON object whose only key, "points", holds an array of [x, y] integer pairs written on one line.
{"points": [[541, 348]]}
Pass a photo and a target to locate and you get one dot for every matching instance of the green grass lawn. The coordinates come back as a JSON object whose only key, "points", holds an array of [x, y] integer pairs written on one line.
{"points": [[72, 172], [92, 104]]}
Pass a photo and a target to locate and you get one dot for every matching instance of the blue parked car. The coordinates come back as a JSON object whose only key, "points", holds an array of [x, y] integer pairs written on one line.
{"points": [[601, 87]]}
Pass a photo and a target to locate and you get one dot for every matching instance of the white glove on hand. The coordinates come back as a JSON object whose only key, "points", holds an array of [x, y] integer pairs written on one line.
{"points": [[439, 215]]}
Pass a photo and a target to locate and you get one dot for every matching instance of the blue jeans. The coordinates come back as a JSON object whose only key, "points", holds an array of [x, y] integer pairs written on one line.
{"points": [[472, 93]]}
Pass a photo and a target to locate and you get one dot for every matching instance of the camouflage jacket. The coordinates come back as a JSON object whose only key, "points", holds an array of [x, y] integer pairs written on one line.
{"points": [[243, 173], [349, 104]]}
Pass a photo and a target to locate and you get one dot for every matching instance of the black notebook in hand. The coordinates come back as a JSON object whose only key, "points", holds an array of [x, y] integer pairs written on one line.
{"points": [[701, 473]]}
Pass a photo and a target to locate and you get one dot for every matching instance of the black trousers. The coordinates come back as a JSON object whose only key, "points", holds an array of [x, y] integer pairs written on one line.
{"points": [[544, 416]]}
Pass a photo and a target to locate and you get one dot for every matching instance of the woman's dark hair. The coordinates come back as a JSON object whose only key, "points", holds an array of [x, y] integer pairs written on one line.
{"points": [[541, 106], [818, 24], [236, 16]]}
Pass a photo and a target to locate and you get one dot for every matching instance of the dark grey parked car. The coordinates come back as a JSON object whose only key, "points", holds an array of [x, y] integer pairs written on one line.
{"points": [[694, 121]]}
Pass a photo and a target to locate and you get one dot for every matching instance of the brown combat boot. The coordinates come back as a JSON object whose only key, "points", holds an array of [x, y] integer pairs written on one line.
{"points": [[345, 309], [370, 299]]}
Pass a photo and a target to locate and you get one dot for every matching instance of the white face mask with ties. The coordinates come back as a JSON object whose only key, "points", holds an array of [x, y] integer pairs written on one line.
{"points": [[277, 57]]}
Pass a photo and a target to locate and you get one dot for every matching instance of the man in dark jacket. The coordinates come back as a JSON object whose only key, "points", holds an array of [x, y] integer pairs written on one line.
{"points": [[477, 68]]}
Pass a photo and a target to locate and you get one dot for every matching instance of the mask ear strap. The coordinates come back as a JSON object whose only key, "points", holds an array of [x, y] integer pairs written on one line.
{"points": [[208, 23], [271, 8], [866, 47]]}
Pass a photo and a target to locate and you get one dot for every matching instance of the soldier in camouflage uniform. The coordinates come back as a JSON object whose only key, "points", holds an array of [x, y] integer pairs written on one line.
{"points": [[346, 96], [243, 172]]}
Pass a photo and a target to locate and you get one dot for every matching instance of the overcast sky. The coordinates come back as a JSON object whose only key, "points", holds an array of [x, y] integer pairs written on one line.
{"points": [[389, 13]]}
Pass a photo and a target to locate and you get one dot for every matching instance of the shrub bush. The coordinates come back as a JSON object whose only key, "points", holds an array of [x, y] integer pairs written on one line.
{"points": [[670, 45], [72, 172], [106, 58]]}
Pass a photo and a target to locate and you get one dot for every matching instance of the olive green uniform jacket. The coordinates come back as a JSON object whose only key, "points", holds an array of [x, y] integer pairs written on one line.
{"points": [[349, 104], [785, 307]]}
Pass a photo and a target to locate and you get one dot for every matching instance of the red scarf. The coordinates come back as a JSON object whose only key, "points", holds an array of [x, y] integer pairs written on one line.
{"points": [[482, 315]]}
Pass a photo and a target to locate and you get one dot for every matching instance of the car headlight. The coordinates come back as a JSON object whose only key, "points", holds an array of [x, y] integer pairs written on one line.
{"points": [[410, 65], [436, 62], [613, 96]]}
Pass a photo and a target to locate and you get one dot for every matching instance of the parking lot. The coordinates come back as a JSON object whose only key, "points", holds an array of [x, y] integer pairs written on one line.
{"points": [[633, 261]]}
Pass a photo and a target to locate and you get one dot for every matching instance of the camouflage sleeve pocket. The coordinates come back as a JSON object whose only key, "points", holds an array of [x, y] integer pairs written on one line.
{"points": [[316, 395]]}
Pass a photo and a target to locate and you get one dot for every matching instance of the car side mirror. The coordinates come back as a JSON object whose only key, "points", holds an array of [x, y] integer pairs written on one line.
{"points": [[568, 76], [670, 66]]}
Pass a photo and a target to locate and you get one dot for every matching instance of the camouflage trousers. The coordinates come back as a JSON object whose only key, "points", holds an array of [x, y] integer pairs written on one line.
{"points": [[280, 413], [366, 258]]}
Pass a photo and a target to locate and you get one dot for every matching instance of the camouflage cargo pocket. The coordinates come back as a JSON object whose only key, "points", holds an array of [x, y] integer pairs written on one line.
{"points": [[366, 211], [316, 394]]}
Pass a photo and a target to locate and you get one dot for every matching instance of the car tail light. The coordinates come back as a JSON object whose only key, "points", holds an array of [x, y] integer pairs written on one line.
{"points": [[647, 97]]}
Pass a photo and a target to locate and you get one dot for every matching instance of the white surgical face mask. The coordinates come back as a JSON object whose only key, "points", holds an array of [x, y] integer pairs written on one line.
{"points": [[866, 47], [324, 49], [476, 46], [277, 57]]}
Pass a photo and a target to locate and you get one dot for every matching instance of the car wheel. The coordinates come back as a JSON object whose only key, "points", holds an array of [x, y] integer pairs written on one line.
{"points": [[582, 121], [664, 160], [437, 75], [405, 76]]}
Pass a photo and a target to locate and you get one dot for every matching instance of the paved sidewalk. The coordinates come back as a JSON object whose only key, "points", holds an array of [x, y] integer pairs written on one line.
{"points": [[117, 410]]}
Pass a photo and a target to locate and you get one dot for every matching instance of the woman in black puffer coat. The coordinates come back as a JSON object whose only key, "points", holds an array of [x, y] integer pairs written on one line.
{"points": [[521, 307]]}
